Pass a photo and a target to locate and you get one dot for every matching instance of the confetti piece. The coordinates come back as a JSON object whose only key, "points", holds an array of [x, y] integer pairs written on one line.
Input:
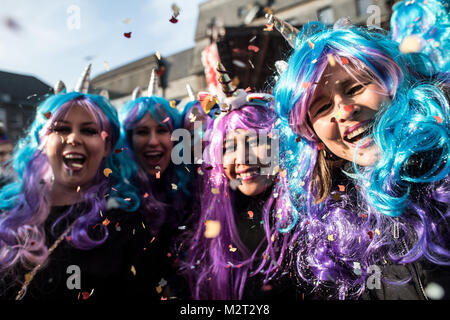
{"points": [[253, 48], [269, 27], [252, 39], [438, 119], [311, 44], [133, 270], [266, 287], [127, 199], [283, 173], [377, 231], [331, 60], [158, 55], [85, 295], [106, 65], [215, 190], [182, 228], [106, 222], [173, 19], [48, 115], [251, 64], [145, 195], [357, 268], [212, 228], [158, 175], [250, 214], [341, 188], [127, 34], [330, 237], [165, 120], [232, 249], [306, 85], [272, 238], [158, 289], [104, 135], [344, 61], [320, 146], [370, 233], [298, 139], [176, 10], [107, 172], [364, 216], [411, 44], [78, 189], [348, 108]]}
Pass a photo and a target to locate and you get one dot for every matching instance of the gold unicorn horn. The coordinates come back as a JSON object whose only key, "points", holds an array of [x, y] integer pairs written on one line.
{"points": [[227, 88], [288, 32]]}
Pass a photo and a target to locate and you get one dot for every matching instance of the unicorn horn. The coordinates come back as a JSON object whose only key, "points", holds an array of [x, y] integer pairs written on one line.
{"points": [[227, 88], [83, 82], [190, 92], [59, 87], [153, 84], [104, 93], [288, 32], [137, 92]]}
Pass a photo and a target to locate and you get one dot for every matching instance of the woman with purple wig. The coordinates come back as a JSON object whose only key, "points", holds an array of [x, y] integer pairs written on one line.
{"points": [[236, 250], [67, 230], [366, 144]]}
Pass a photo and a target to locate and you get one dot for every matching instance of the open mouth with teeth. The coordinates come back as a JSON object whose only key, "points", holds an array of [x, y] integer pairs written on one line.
{"points": [[356, 135], [74, 161], [249, 174], [153, 158]]}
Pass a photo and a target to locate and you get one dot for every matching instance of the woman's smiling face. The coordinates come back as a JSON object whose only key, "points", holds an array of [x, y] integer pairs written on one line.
{"points": [[75, 148], [342, 113]]}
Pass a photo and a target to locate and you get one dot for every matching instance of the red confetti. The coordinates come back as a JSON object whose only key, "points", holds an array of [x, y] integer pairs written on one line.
{"points": [[320, 146], [364, 216], [85, 295], [118, 150], [250, 214], [269, 27], [169, 254], [106, 222], [438, 119], [248, 89], [306, 85], [348, 108], [48, 115], [311, 44], [127, 34], [209, 167], [253, 48], [344, 61], [266, 287], [146, 195], [298, 139], [341, 188], [173, 19], [370, 233]]}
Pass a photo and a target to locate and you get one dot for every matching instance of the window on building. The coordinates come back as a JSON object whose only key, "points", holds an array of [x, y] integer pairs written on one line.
{"points": [[326, 15], [361, 7]]}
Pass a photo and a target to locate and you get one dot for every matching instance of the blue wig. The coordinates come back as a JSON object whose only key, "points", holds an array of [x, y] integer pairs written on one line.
{"points": [[408, 187], [26, 203], [156, 210]]}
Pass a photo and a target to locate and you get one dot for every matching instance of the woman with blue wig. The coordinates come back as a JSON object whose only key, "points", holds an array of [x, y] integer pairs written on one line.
{"points": [[366, 144], [165, 188], [67, 227]]}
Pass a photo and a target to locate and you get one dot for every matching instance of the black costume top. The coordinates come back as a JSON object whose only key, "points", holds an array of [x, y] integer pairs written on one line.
{"points": [[121, 268]]}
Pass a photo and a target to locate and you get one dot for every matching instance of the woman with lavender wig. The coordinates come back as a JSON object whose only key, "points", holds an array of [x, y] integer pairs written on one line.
{"points": [[67, 230], [366, 144], [235, 250], [165, 189]]}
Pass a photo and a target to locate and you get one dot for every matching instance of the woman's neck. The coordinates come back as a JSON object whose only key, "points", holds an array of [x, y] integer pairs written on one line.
{"points": [[62, 195]]}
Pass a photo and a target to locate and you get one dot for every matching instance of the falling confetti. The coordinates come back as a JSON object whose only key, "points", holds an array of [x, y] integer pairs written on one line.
{"points": [[106, 65], [330, 237], [239, 63], [173, 19], [283, 173], [146, 195], [212, 228], [158, 175], [438, 119], [133, 270], [269, 27], [215, 190], [232, 249], [344, 61], [78, 189], [107, 172], [106, 222], [298, 139], [127, 34], [311, 44], [370, 233], [252, 39], [411, 44], [158, 289], [174, 186], [48, 115], [253, 48], [305, 85], [331, 60], [320, 146], [377, 231], [166, 120], [158, 55], [341, 188], [250, 214]]}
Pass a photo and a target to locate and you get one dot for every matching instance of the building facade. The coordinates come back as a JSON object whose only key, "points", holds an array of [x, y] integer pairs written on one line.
{"points": [[233, 25]]}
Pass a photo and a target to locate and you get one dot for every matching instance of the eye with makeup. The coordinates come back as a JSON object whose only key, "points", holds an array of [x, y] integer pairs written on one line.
{"points": [[356, 89]]}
